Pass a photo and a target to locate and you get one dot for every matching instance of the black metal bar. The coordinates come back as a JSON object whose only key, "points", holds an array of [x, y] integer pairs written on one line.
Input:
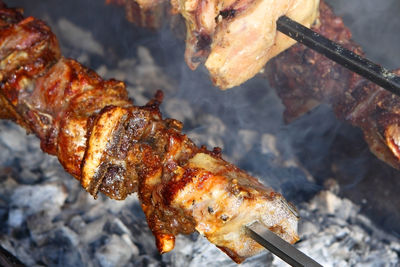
{"points": [[9, 260], [279, 247], [362, 66]]}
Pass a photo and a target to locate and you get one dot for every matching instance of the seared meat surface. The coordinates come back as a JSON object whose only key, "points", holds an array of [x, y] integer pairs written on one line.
{"points": [[233, 38], [304, 79], [116, 148], [237, 38]]}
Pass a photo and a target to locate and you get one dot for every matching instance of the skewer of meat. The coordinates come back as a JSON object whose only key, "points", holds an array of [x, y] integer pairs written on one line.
{"points": [[116, 148], [303, 79]]}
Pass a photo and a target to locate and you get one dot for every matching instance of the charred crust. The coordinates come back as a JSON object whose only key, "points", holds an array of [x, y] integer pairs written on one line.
{"points": [[203, 41], [228, 13], [217, 152], [224, 217], [210, 210], [156, 101]]}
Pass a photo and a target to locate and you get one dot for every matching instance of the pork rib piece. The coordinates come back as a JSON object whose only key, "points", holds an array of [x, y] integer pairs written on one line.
{"points": [[304, 79], [114, 147]]}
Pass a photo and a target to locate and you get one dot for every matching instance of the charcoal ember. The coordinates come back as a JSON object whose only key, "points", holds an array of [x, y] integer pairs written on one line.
{"points": [[145, 261], [13, 137], [51, 169], [78, 38], [3, 212], [93, 230], [134, 220], [115, 252], [27, 176], [330, 204], [61, 248], [15, 217], [342, 238], [183, 253], [7, 184], [35, 198], [109, 206], [33, 160], [39, 225], [116, 226], [77, 224], [23, 255], [5, 154], [200, 253]]}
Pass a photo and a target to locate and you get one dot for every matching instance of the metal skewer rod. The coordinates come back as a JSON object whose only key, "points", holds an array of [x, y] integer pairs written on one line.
{"points": [[362, 66], [279, 247]]}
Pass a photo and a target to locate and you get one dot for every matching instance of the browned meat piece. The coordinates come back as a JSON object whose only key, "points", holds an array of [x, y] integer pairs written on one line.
{"points": [[233, 38], [114, 147], [303, 79], [237, 38]]}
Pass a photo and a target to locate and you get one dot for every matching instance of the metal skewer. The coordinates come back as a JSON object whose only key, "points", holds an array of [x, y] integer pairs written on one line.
{"points": [[279, 247], [362, 66]]}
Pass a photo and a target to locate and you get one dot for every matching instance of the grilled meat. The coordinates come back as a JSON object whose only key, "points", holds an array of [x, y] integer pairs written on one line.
{"points": [[114, 147], [304, 79], [233, 38], [237, 38]]}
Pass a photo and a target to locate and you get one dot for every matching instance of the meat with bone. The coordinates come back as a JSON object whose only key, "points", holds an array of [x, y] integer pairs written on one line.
{"points": [[234, 39], [114, 147], [237, 38], [303, 79]]}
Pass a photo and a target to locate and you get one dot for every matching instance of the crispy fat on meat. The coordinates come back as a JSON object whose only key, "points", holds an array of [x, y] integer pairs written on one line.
{"points": [[222, 199], [116, 148]]}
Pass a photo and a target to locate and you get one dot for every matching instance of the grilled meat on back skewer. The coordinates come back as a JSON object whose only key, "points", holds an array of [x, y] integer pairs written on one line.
{"points": [[114, 147], [304, 79]]}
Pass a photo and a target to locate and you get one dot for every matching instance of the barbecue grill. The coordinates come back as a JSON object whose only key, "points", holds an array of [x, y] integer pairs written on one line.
{"points": [[297, 159]]}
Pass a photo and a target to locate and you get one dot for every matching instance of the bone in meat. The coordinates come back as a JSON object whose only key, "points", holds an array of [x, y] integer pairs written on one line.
{"points": [[233, 38]]}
